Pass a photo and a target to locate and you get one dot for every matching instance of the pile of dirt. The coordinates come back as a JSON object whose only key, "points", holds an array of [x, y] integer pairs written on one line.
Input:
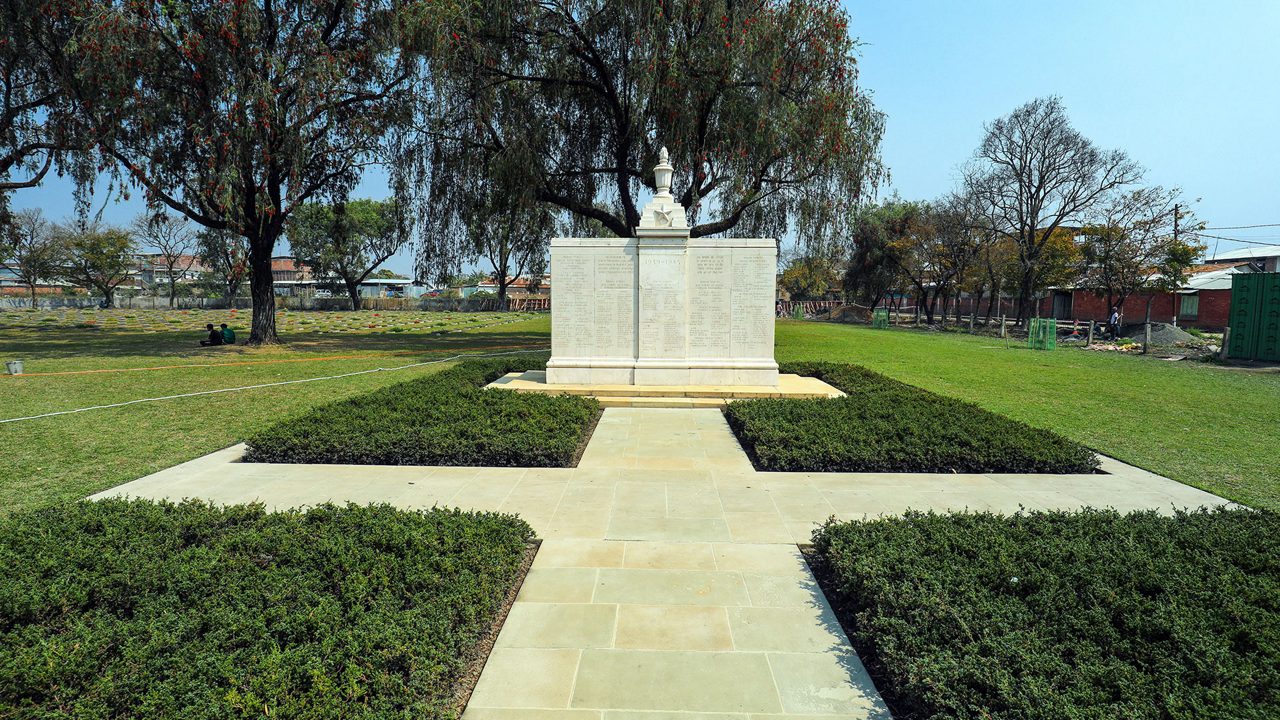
{"points": [[847, 314], [1161, 334]]}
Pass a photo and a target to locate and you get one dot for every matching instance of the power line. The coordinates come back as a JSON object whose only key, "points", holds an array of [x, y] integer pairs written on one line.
{"points": [[1231, 239], [1244, 227]]}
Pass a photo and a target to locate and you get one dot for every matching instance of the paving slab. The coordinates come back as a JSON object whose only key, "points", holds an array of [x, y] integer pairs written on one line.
{"points": [[668, 585]]}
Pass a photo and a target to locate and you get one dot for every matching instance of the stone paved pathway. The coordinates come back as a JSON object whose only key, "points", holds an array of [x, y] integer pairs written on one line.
{"points": [[668, 585]]}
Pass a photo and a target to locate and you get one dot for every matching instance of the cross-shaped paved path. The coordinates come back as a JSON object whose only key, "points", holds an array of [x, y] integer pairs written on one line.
{"points": [[668, 585]]}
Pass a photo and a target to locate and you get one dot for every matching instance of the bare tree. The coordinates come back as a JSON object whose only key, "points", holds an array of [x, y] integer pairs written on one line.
{"points": [[1129, 236], [37, 255], [174, 237], [959, 234], [1038, 173]]}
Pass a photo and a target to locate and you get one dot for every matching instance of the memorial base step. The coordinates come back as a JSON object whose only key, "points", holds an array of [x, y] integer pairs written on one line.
{"points": [[615, 401], [689, 396]]}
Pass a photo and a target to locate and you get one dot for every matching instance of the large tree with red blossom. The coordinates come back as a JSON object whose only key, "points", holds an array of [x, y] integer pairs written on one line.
{"points": [[236, 112], [757, 101], [34, 133]]}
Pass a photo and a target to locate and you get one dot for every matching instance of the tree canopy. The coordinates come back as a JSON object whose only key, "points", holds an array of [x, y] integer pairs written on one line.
{"points": [[758, 103], [234, 114], [349, 240], [1130, 237], [225, 254], [34, 105], [97, 257], [1036, 173], [36, 253]]}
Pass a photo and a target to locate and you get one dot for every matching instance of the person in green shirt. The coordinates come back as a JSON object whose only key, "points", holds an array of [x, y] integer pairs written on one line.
{"points": [[228, 335]]}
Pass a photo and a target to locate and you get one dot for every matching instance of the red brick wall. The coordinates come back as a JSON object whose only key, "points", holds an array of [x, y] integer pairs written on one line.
{"points": [[1215, 306]]}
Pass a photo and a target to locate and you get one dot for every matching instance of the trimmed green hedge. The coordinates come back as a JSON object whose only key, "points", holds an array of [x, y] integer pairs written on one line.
{"points": [[443, 419], [1064, 615], [154, 610], [883, 425]]}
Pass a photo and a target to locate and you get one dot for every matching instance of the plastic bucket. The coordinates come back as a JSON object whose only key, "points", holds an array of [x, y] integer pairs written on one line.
{"points": [[14, 367]]}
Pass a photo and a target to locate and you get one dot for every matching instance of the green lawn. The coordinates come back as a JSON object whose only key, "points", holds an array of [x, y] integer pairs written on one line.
{"points": [[66, 457], [1209, 427], [1214, 428]]}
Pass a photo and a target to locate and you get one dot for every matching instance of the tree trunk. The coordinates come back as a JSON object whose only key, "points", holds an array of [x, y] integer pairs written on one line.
{"points": [[173, 290], [262, 291], [353, 292], [33, 296], [1027, 282], [924, 305], [109, 296], [503, 281]]}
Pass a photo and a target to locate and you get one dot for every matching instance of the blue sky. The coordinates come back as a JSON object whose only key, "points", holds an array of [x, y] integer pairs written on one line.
{"points": [[1190, 89]]}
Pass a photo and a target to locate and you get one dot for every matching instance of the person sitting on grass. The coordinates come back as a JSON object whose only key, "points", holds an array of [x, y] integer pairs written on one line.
{"points": [[228, 335], [215, 336]]}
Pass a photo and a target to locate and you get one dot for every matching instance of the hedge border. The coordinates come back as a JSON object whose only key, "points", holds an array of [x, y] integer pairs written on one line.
{"points": [[1187, 593], [333, 611], [446, 419], [787, 434]]}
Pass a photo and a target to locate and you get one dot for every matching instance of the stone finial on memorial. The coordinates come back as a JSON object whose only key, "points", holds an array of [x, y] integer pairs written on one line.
{"points": [[663, 216]]}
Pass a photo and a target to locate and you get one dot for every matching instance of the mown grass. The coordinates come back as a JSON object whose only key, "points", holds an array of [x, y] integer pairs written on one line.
{"points": [[1214, 428], [1210, 427], [62, 458], [139, 609], [287, 321]]}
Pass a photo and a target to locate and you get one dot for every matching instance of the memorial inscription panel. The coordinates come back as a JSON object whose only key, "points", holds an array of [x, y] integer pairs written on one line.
{"points": [[710, 304], [573, 331], [662, 303], [662, 311], [752, 334], [615, 303]]}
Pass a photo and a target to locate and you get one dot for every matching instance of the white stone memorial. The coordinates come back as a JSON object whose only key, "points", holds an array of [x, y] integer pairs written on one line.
{"points": [[662, 308]]}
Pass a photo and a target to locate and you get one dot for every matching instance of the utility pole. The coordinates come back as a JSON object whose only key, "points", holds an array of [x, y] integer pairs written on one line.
{"points": [[1173, 301]]}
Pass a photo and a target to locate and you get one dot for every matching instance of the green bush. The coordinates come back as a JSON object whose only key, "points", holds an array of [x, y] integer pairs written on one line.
{"points": [[153, 610], [1057, 615], [442, 419], [883, 425]]}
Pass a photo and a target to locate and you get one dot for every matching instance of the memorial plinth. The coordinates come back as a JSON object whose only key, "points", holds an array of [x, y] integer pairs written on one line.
{"points": [[662, 308]]}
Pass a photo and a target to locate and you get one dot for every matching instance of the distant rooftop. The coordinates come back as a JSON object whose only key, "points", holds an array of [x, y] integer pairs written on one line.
{"points": [[1250, 253]]}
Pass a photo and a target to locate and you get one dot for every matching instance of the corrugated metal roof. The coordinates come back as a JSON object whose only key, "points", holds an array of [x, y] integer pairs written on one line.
{"points": [[1212, 280], [1249, 253]]}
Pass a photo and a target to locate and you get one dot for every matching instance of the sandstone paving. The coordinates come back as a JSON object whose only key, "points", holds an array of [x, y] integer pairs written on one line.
{"points": [[668, 584]]}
